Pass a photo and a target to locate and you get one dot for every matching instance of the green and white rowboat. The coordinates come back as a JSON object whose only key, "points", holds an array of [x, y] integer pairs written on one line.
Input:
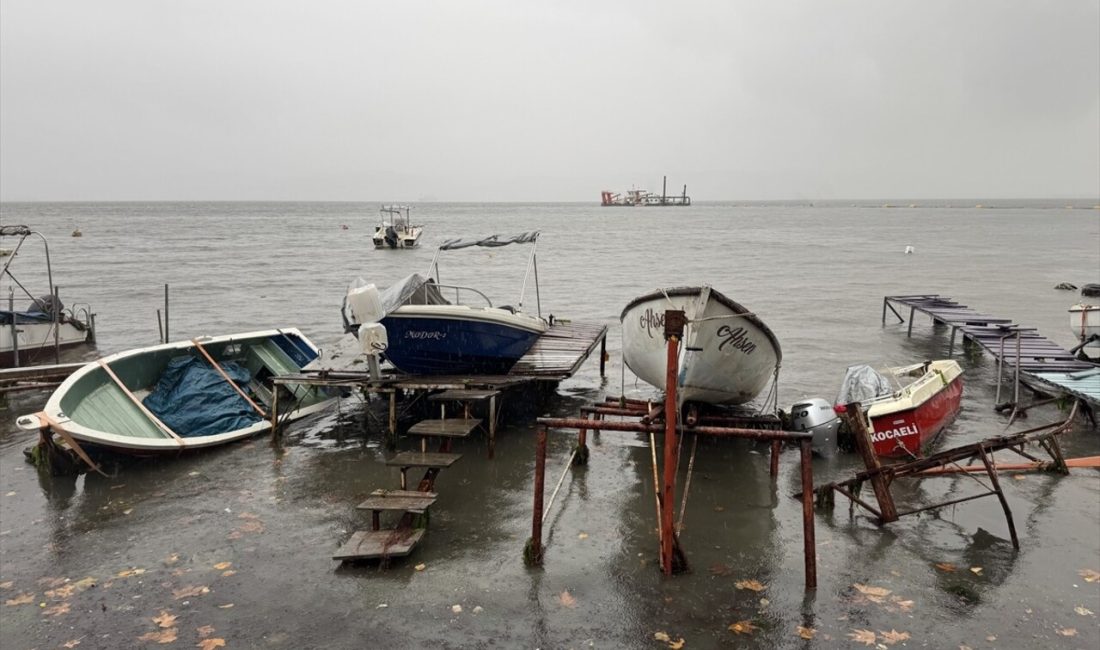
{"points": [[105, 402]]}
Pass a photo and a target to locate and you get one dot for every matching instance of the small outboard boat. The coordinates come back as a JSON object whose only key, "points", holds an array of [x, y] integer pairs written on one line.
{"points": [[1084, 320], [396, 230]]}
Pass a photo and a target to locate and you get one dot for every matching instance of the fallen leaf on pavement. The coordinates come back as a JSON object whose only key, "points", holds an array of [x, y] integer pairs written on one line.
{"points": [[165, 619], [866, 637], [1068, 631], [226, 574], [21, 599], [874, 594], [567, 599], [582, 536], [976, 570], [211, 643], [166, 636], [893, 636], [420, 567], [130, 572], [57, 610], [71, 644], [171, 559], [6, 584], [1083, 611], [225, 606], [806, 632], [661, 636], [677, 644], [1089, 575], [222, 566], [205, 630], [754, 585], [742, 627], [946, 567], [193, 590]]}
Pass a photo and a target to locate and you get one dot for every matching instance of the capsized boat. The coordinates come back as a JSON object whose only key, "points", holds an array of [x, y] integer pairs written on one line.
{"points": [[178, 396], [396, 230], [438, 329], [729, 355], [908, 407], [33, 328]]}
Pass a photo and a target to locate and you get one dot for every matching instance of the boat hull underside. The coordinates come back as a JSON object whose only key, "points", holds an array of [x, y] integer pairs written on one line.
{"points": [[908, 433], [425, 345]]}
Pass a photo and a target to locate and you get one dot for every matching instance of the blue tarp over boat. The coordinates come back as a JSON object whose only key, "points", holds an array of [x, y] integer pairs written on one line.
{"points": [[193, 399]]}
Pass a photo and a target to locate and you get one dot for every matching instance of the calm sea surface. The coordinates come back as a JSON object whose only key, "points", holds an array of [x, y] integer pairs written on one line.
{"points": [[815, 273]]}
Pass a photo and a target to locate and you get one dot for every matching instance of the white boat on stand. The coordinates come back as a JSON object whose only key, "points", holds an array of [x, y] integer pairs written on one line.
{"points": [[33, 329], [396, 230], [728, 356], [1084, 320]]}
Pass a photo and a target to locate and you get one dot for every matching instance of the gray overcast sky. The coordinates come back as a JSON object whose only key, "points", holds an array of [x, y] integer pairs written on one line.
{"points": [[548, 100]]}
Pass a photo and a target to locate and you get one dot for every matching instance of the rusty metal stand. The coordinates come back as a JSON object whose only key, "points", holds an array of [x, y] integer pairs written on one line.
{"points": [[647, 418], [883, 476]]}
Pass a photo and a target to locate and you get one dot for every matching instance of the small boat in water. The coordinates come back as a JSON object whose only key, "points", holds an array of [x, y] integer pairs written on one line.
{"points": [[33, 329], [396, 230], [179, 396], [729, 355], [908, 407], [437, 329], [1084, 321]]}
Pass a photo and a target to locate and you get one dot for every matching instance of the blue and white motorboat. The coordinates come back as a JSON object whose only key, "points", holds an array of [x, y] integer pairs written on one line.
{"points": [[437, 329]]}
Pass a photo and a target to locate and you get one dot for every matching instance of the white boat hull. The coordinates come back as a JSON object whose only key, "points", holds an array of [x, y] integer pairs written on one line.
{"points": [[728, 354], [36, 340]]}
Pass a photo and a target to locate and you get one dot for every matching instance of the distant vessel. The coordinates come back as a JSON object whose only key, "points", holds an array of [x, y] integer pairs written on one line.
{"points": [[397, 231], [644, 197]]}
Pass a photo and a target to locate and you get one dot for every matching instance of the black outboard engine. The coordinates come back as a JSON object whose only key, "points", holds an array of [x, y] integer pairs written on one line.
{"points": [[1090, 291], [817, 417], [391, 236]]}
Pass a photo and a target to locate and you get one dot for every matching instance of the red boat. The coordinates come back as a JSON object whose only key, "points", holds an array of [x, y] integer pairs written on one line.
{"points": [[906, 422]]}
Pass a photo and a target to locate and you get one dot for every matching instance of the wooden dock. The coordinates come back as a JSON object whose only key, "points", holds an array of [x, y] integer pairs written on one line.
{"points": [[1037, 360], [35, 377]]}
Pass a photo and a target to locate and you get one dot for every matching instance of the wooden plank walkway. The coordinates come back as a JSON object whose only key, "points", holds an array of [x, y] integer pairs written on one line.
{"points": [[1040, 359], [379, 544], [560, 351]]}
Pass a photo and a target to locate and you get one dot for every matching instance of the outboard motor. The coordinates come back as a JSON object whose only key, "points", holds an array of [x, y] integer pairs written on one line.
{"points": [[818, 417], [391, 237]]}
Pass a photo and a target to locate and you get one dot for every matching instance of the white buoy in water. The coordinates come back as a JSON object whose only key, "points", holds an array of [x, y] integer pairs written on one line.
{"points": [[908, 250]]}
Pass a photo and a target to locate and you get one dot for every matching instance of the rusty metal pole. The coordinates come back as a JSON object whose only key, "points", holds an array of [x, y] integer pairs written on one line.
{"points": [[809, 543], [535, 556], [854, 415], [674, 330]]}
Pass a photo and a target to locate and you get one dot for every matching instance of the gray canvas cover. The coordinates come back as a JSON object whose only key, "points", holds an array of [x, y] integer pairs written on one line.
{"points": [[413, 289], [862, 384]]}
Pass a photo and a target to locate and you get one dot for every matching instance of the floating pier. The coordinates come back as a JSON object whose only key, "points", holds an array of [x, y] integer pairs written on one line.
{"points": [[1032, 358], [35, 377]]}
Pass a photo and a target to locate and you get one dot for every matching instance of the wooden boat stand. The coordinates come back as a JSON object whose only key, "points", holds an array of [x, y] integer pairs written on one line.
{"points": [[650, 419], [882, 476]]}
